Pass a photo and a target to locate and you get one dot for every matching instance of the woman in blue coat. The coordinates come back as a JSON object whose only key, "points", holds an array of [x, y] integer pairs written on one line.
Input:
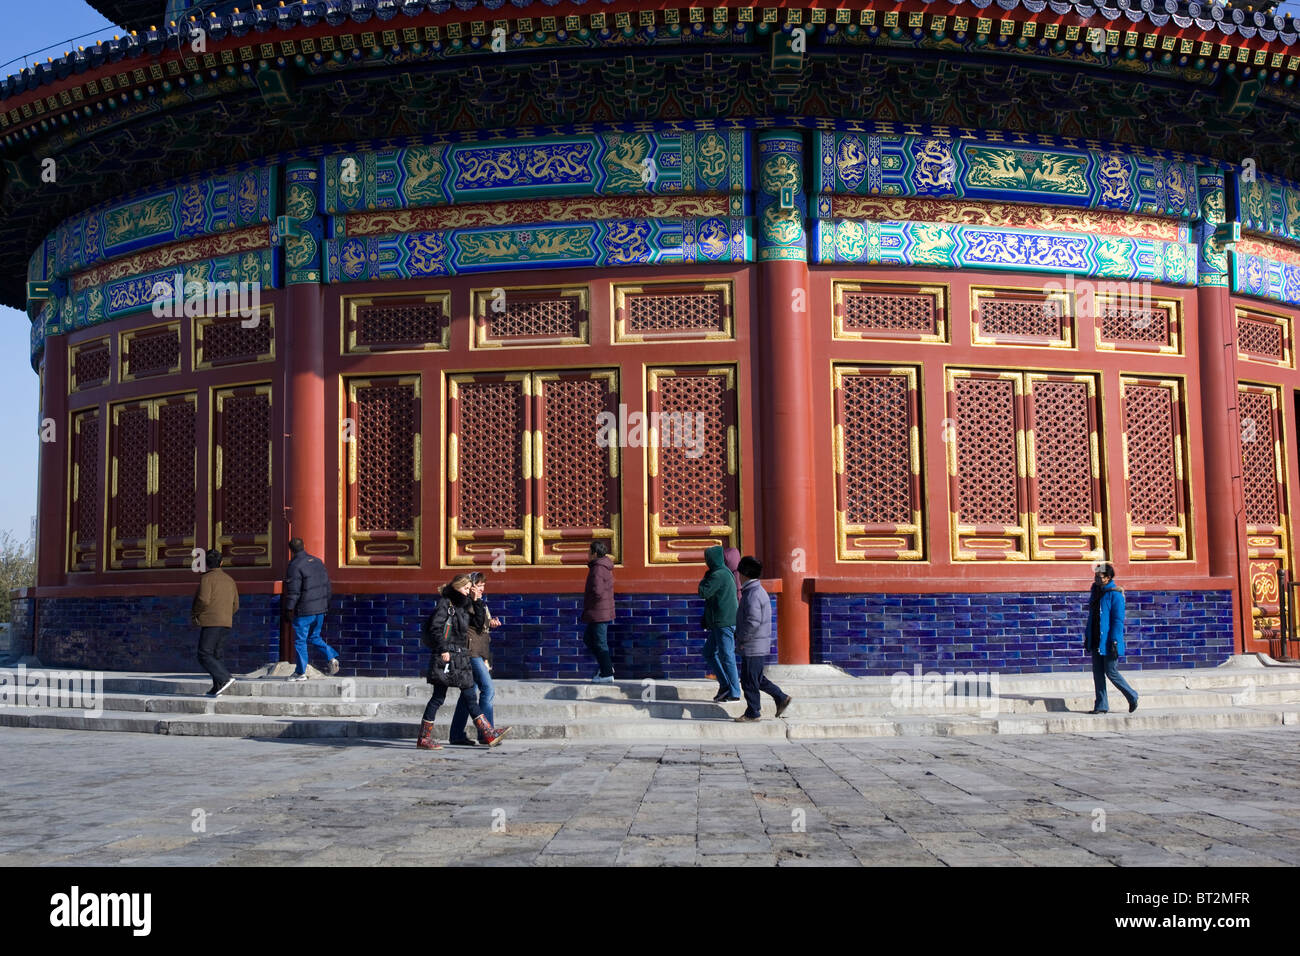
{"points": [[1104, 638]]}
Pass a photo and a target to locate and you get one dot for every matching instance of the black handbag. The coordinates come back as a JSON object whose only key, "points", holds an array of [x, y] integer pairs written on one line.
{"points": [[440, 670]]}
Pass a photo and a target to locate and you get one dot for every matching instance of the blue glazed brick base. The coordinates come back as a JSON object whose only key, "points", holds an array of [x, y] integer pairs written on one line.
{"points": [[151, 634], [1015, 633], [20, 633], [655, 635], [378, 635]]}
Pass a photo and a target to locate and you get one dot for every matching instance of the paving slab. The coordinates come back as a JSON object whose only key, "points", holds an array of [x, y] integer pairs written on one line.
{"points": [[1185, 798]]}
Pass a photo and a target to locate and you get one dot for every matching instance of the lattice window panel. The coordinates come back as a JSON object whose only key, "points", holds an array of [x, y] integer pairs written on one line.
{"points": [[984, 441], [1264, 489], [578, 465], [673, 312], [229, 341], [489, 460], [694, 479], [1154, 470], [1264, 337], [153, 351], [1022, 317], [397, 323], [878, 508], [1065, 489], [531, 316], [1261, 459], [384, 465], [151, 502], [1136, 322], [92, 364], [175, 482], [241, 478], [880, 310], [85, 494]]}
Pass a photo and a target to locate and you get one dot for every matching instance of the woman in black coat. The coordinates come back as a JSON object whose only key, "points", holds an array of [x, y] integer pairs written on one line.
{"points": [[446, 633]]}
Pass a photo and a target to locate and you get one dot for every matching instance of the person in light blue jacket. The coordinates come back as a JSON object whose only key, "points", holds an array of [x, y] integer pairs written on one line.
{"points": [[1104, 638]]}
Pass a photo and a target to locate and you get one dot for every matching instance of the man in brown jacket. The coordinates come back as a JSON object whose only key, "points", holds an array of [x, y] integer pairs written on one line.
{"points": [[213, 614]]}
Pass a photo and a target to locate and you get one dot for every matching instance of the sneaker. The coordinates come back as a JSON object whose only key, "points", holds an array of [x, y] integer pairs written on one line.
{"points": [[223, 688], [720, 696], [746, 719], [297, 677], [334, 665], [463, 742], [728, 700], [780, 708], [1099, 711], [603, 680], [1133, 706]]}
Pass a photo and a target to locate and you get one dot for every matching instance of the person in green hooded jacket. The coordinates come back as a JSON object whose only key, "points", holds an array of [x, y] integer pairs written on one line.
{"points": [[718, 588]]}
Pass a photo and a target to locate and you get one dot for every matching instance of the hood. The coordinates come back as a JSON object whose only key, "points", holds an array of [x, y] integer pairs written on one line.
{"points": [[714, 558], [732, 558], [604, 561], [454, 596]]}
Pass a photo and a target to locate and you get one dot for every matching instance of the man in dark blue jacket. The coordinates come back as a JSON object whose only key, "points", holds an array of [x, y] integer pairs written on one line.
{"points": [[304, 603]]}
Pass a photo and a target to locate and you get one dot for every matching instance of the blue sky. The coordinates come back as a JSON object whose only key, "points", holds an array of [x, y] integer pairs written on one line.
{"points": [[46, 29], [27, 28]]}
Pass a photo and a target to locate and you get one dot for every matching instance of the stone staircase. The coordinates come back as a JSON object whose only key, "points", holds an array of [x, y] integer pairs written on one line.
{"points": [[1246, 692]]}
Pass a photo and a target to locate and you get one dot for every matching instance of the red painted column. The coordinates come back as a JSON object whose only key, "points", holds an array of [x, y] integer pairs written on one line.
{"points": [[786, 492], [305, 442], [53, 462], [1217, 336]]}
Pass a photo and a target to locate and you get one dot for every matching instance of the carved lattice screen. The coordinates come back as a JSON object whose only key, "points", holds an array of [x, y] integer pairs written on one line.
{"points": [[1154, 469], [151, 469], [878, 510], [1264, 491], [241, 502], [384, 466], [694, 463], [1024, 468], [577, 465], [85, 492], [489, 468]]}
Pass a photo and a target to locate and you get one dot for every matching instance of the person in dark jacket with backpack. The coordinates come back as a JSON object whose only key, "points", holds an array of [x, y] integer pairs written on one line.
{"points": [[598, 608], [1104, 638], [446, 633], [718, 588], [304, 603], [754, 642]]}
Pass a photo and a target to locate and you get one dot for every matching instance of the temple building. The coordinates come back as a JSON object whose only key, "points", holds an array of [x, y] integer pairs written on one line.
{"points": [[930, 306]]}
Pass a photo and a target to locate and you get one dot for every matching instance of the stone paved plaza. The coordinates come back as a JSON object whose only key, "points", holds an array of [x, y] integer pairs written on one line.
{"points": [[1184, 799]]}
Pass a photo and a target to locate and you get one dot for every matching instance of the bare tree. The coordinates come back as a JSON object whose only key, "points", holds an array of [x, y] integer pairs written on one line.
{"points": [[17, 570]]}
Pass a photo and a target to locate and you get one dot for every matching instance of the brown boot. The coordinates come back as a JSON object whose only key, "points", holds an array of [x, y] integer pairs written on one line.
{"points": [[426, 737], [487, 734]]}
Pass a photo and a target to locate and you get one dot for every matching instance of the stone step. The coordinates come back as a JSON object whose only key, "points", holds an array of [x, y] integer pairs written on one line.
{"points": [[1045, 685], [512, 706], [640, 728]]}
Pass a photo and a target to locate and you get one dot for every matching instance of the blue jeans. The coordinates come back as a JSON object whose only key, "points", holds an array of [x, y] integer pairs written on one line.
{"points": [[307, 630], [469, 695], [720, 654], [1103, 667], [596, 639], [488, 693]]}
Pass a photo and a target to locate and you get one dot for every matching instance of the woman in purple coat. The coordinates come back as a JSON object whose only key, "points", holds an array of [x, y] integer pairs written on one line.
{"points": [[598, 608]]}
